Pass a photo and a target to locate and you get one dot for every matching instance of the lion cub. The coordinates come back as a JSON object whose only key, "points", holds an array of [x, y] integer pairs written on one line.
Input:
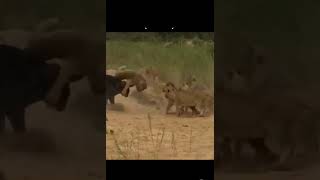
{"points": [[167, 90], [186, 98]]}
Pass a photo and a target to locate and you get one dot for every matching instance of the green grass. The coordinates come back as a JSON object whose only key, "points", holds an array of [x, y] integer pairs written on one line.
{"points": [[173, 62]]}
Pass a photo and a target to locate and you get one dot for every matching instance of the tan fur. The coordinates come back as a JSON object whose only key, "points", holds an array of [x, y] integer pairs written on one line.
{"points": [[122, 68], [187, 99], [201, 100], [167, 89], [111, 72], [191, 83], [152, 73], [133, 79], [77, 54]]}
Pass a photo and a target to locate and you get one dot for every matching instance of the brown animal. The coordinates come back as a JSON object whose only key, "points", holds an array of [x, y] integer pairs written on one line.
{"points": [[152, 73], [133, 79], [169, 91], [76, 53], [192, 98], [114, 86], [189, 83]]}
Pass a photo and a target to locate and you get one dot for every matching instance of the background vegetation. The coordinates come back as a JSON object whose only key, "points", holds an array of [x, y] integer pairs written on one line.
{"points": [[174, 55]]}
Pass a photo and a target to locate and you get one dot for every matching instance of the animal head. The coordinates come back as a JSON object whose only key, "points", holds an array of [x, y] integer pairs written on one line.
{"points": [[185, 86], [135, 79], [140, 82], [190, 81], [115, 86], [169, 90], [121, 86]]}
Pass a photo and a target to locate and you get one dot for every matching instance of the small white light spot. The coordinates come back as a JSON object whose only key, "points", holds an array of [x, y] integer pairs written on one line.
{"points": [[172, 28], [145, 28]]}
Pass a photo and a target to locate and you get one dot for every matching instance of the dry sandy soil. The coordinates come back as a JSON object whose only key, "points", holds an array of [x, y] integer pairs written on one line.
{"points": [[59, 145], [138, 128]]}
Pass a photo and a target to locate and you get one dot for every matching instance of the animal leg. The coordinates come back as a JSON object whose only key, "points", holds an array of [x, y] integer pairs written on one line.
{"points": [[170, 104], [125, 89], [178, 110], [184, 109], [203, 110], [194, 110], [127, 92], [111, 100], [181, 110]]}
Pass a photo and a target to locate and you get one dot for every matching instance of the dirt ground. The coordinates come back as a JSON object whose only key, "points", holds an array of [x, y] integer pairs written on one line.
{"points": [[59, 145], [138, 128]]}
